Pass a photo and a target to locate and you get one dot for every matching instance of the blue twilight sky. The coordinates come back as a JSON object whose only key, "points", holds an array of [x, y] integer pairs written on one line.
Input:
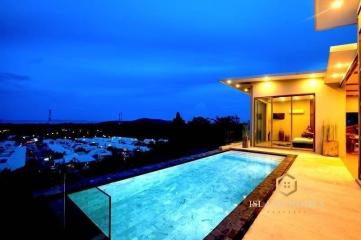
{"points": [[90, 59]]}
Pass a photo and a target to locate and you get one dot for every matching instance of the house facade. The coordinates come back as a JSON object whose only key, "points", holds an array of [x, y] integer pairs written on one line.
{"points": [[313, 111]]}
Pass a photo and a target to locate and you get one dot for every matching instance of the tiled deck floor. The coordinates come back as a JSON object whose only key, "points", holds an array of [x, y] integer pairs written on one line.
{"points": [[331, 203]]}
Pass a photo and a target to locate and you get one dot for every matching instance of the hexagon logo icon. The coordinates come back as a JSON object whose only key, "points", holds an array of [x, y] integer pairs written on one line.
{"points": [[286, 184]]}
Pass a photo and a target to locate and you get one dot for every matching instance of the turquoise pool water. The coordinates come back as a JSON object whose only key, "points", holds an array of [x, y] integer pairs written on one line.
{"points": [[182, 202]]}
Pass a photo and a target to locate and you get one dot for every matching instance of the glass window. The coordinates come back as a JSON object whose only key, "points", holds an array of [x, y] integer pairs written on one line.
{"points": [[285, 122], [262, 123], [303, 122], [281, 122]]}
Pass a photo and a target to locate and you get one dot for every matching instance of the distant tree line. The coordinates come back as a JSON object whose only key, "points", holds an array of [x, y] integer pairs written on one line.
{"points": [[198, 131], [205, 132]]}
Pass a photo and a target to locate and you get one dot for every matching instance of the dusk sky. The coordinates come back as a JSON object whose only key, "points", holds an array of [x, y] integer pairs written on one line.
{"points": [[89, 60]]}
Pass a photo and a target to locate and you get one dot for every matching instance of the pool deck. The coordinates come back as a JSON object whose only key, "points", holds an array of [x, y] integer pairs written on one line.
{"points": [[326, 205]]}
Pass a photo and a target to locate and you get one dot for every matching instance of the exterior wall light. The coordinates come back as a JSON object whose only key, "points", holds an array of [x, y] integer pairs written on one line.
{"points": [[336, 4], [312, 83], [336, 75]]}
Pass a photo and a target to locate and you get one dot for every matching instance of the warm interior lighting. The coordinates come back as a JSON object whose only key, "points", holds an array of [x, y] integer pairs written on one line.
{"points": [[336, 75], [282, 99], [266, 78], [229, 82], [238, 86], [338, 65], [296, 98], [342, 65], [267, 85], [336, 4], [312, 82], [246, 89]]}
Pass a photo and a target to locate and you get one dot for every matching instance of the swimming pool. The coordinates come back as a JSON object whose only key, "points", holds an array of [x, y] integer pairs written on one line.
{"points": [[183, 202]]}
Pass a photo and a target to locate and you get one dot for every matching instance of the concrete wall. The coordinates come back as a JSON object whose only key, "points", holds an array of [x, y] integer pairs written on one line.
{"points": [[330, 103]]}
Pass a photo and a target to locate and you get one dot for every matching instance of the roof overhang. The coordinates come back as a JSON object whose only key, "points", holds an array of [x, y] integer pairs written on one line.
{"points": [[341, 63], [340, 60], [351, 82], [335, 13], [244, 84]]}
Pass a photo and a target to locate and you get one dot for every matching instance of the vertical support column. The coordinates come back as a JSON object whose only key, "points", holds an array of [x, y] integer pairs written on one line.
{"points": [[359, 81], [291, 137], [271, 137], [252, 118]]}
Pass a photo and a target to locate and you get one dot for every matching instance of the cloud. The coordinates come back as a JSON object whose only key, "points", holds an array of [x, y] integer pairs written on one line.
{"points": [[10, 77]]}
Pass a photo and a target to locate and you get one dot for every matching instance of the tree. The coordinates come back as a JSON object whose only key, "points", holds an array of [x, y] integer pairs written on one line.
{"points": [[228, 128], [199, 122], [178, 134], [178, 121], [200, 131]]}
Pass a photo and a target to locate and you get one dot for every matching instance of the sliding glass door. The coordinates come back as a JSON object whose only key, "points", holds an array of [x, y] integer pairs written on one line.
{"points": [[281, 122], [303, 122], [262, 122], [285, 122]]}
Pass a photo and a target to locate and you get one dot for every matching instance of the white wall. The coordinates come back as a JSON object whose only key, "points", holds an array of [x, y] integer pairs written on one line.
{"points": [[330, 103]]}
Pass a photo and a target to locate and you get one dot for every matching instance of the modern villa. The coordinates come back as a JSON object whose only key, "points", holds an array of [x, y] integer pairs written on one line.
{"points": [[296, 181], [313, 111]]}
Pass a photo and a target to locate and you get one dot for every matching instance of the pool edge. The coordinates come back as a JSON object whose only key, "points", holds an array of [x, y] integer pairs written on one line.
{"points": [[236, 224], [240, 223]]}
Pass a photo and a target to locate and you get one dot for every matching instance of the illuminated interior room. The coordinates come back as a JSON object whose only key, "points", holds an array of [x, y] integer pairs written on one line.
{"points": [[285, 122]]}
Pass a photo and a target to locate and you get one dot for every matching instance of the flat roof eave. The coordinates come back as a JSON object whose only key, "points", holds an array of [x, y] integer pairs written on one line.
{"points": [[340, 59], [335, 13], [276, 77], [243, 84]]}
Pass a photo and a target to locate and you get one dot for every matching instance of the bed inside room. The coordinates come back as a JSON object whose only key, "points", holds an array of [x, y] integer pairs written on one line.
{"points": [[303, 122]]}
